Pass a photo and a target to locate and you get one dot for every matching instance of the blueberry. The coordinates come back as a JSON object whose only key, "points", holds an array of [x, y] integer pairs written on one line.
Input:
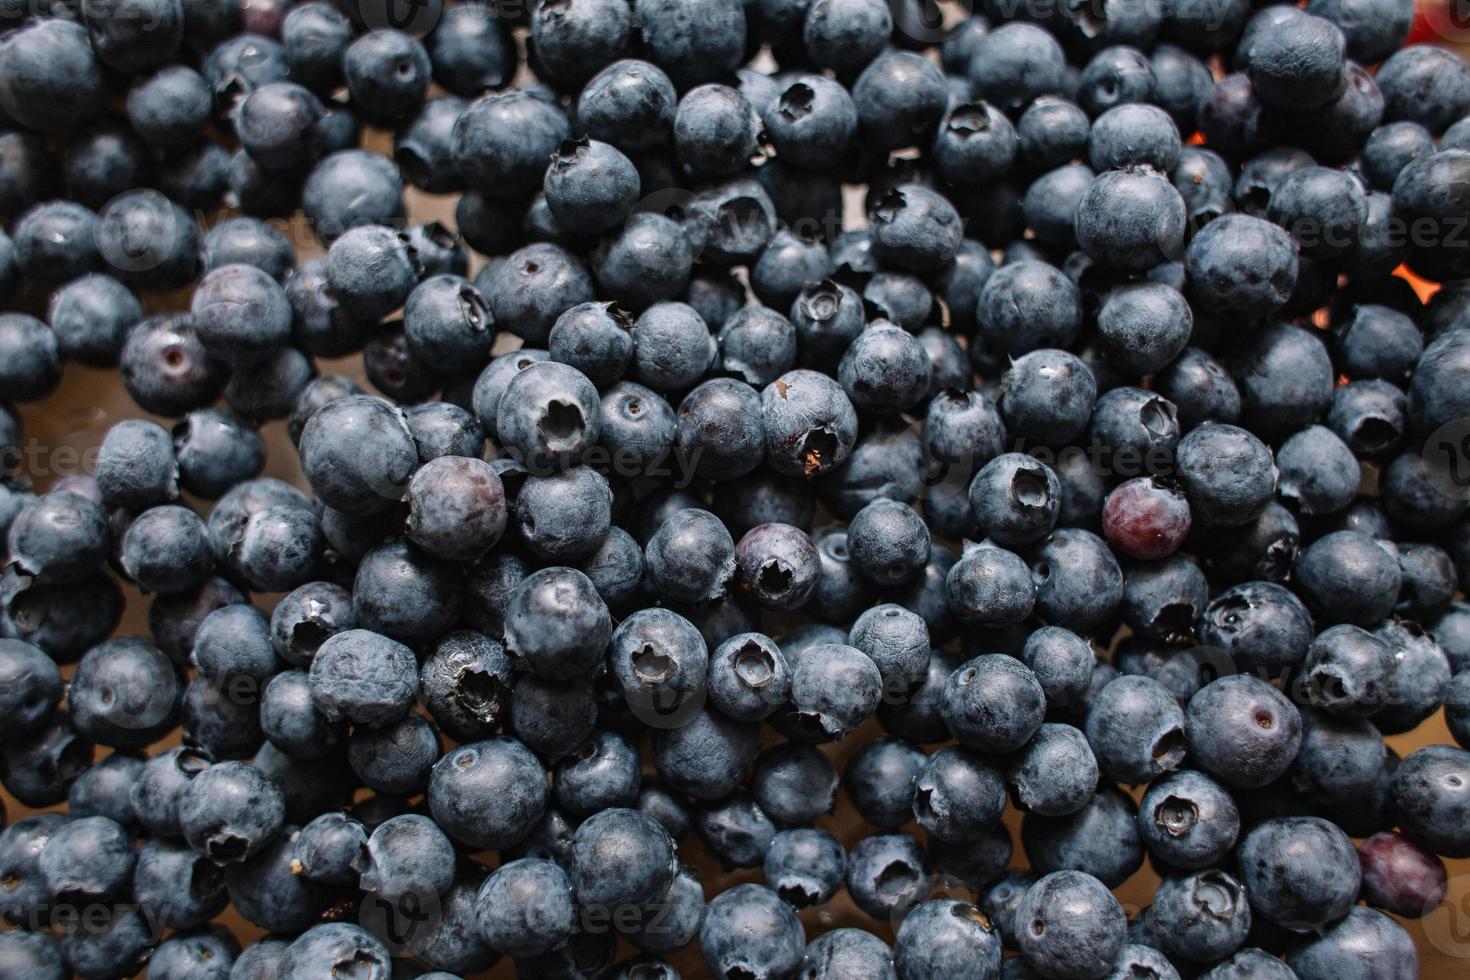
{"points": [[845, 35], [1028, 305], [525, 907], [828, 316], [811, 122], [621, 856], [167, 550], [1133, 135], [914, 228], [290, 720], [314, 37], [277, 125], [358, 454], [50, 79], [673, 347], [805, 866], [1116, 75], [456, 508], [1078, 582], [444, 429], [880, 778], [91, 317], [448, 324], [1201, 917], [691, 556], [371, 270], [591, 185], [1428, 793], [1067, 925], [1188, 821], [945, 935], [1131, 219], [124, 693], [777, 565], [720, 429], [1349, 578], [1014, 63], [116, 942], [810, 424], [33, 357], [397, 758], [87, 859], [1051, 202], [957, 795], [405, 593], [1101, 838], [1433, 397], [1410, 497], [502, 142], [715, 131], [989, 586], [1000, 901], [1420, 85], [1051, 132], [185, 888], [1136, 730], [749, 929], [407, 859], [694, 44], [1228, 474], [351, 188], [993, 704], [1242, 267], [834, 689], [1242, 731], [231, 811], [886, 874], [573, 41], [787, 263], [1045, 395], [885, 369], [1300, 872], [261, 959], [888, 542], [488, 794], [190, 954], [363, 676], [156, 792], [59, 537], [471, 51], [324, 950], [105, 789], [1342, 946]]}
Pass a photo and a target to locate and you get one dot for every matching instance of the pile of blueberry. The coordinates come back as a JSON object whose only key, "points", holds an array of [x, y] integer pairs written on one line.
{"points": [[1115, 472]]}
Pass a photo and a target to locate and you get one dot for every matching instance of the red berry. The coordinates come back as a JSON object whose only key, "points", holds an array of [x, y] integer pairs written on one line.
{"points": [[1146, 518], [1399, 876], [263, 17]]}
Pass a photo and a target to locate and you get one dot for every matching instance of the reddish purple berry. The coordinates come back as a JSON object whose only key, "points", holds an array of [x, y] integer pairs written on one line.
{"points": [[1399, 876], [1146, 518]]}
